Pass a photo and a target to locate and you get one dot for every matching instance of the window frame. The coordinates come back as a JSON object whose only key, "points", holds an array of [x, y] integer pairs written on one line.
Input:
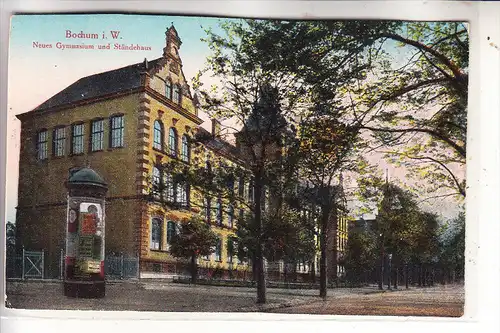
{"points": [[168, 89], [171, 232], [121, 130], [158, 133], [177, 94], [42, 154], [185, 149], [218, 250], [156, 182], [220, 212], [96, 134], [156, 246], [173, 142], [79, 136], [59, 143]]}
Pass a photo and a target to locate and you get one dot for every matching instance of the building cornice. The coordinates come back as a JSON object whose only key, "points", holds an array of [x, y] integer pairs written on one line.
{"points": [[39, 112], [180, 110]]}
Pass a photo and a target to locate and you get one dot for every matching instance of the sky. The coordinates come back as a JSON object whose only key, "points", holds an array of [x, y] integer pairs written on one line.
{"points": [[36, 74]]}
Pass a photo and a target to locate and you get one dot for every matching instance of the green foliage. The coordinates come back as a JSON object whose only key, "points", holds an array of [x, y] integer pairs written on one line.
{"points": [[10, 238], [195, 238], [361, 254], [452, 246]]}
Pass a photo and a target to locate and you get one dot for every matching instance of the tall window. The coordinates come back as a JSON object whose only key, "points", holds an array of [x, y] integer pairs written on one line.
{"points": [[219, 211], [230, 249], [218, 250], [156, 227], [176, 97], [116, 133], [42, 146], [250, 191], [172, 141], [158, 135], [182, 194], [208, 209], [171, 230], [77, 139], [156, 182], [230, 216], [241, 187], [185, 152], [168, 187], [168, 89], [59, 141], [97, 136]]}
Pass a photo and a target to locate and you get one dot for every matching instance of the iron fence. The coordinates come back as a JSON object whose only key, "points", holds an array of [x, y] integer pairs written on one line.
{"points": [[33, 265]]}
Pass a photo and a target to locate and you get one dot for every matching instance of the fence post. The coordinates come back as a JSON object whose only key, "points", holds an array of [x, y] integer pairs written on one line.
{"points": [[61, 265], [43, 264], [23, 264], [121, 267], [138, 267]]}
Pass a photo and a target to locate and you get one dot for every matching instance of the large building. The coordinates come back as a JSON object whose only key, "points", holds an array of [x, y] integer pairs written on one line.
{"points": [[125, 124]]}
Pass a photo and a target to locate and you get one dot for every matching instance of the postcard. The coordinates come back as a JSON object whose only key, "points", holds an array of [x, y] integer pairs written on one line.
{"points": [[206, 164]]}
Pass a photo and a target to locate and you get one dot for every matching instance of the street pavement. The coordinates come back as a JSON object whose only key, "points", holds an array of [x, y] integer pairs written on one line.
{"points": [[171, 297]]}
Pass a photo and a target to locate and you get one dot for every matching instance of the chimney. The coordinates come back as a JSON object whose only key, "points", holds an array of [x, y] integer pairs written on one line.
{"points": [[216, 128], [146, 63]]}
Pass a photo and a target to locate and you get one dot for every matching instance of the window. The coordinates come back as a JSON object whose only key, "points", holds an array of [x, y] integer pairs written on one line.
{"points": [[42, 147], [250, 191], [241, 215], [176, 97], [59, 140], [172, 142], [77, 139], [241, 187], [168, 187], [156, 226], [168, 89], [230, 216], [230, 249], [116, 134], [158, 135], [182, 194], [171, 231], [156, 182], [219, 212], [186, 152], [208, 209], [230, 185], [218, 250], [97, 136]]}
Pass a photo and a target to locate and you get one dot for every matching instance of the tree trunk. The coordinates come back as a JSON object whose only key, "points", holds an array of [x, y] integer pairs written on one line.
{"points": [[323, 279], [381, 266], [313, 272], [396, 280], [194, 269], [406, 276], [259, 255]]}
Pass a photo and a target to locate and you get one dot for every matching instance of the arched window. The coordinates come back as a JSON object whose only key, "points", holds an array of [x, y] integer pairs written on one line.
{"points": [[168, 89], [156, 234], [176, 97], [186, 151], [172, 141], [158, 135], [169, 190], [171, 231], [218, 249], [219, 212], [230, 216], [156, 182]]}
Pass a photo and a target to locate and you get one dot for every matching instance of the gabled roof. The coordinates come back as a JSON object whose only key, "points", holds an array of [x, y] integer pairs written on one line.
{"points": [[115, 81]]}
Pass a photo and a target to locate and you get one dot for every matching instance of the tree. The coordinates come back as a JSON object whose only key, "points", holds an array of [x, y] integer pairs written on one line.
{"points": [[361, 255], [10, 238], [195, 238], [404, 82], [326, 148], [452, 246], [259, 100]]}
